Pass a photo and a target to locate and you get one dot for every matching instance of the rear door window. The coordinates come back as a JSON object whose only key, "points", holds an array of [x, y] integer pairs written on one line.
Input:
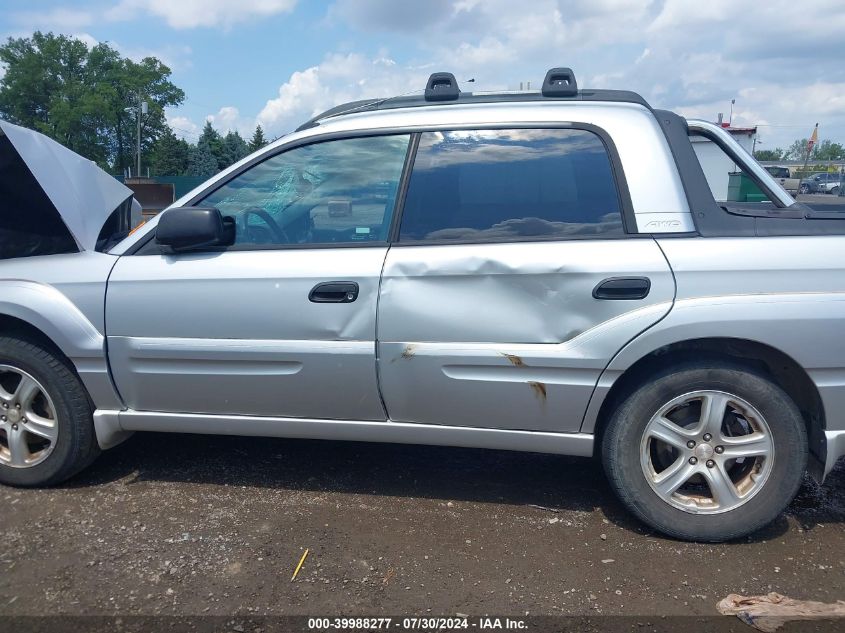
{"points": [[502, 185]]}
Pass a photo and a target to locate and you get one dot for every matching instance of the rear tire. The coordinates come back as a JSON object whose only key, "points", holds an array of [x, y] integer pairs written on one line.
{"points": [[47, 428], [671, 450], [834, 191]]}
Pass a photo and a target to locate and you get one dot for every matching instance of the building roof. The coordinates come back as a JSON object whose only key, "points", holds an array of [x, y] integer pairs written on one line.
{"points": [[739, 129]]}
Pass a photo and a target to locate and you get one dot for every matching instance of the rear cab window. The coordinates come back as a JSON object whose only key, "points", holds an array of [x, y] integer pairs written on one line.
{"points": [[513, 184], [727, 180]]}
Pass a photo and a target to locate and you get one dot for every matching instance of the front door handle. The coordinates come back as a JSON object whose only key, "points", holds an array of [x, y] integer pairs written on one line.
{"points": [[623, 288], [334, 292]]}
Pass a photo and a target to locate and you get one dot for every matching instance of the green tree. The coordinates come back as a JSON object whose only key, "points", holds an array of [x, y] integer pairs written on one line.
{"points": [[214, 142], [234, 149], [170, 155], [79, 96], [44, 89], [828, 150], [202, 161], [147, 81], [798, 150], [824, 150], [769, 154], [257, 141]]}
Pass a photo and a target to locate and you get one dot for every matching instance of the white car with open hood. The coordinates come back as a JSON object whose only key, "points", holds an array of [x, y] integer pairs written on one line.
{"points": [[545, 271]]}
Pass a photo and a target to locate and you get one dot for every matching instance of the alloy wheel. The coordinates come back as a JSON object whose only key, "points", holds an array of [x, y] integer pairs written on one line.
{"points": [[28, 421], [707, 452]]}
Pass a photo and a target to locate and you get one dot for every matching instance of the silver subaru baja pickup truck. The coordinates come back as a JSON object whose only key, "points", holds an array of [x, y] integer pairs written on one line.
{"points": [[554, 271]]}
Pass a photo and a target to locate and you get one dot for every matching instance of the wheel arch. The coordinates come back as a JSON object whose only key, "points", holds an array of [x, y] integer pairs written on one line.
{"points": [[53, 315], [12, 325], [42, 312], [773, 363]]}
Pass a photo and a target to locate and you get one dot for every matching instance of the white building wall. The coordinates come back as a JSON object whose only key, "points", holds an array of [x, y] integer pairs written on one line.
{"points": [[716, 164]]}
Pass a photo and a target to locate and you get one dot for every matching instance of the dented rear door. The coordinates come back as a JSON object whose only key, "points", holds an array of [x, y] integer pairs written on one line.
{"points": [[511, 324], [508, 335]]}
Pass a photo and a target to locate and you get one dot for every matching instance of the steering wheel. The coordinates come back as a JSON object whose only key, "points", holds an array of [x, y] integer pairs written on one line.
{"points": [[277, 231]]}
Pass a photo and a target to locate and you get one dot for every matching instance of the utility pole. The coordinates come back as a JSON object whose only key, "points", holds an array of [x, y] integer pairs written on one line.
{"points": [[138, 146], [139, 110], [142, 109]]}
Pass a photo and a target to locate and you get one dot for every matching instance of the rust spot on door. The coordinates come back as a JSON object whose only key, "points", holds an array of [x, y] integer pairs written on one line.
{"points": [[539, 389], [513, 359]]}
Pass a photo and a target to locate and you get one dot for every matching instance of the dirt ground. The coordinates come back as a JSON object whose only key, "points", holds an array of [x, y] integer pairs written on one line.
{"points": [[191, 525]]}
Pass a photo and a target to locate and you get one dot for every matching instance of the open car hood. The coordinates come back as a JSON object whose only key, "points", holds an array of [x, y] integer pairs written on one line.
{"points": [[82, 194]]}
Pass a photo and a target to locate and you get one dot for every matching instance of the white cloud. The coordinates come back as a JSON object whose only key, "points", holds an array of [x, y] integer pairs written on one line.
{"points": [[338, 79], [229, 119], [174, 56], [61, 19], [693, 57], [188, 14], [780, 63], [184, 128], [89, 40], [398, 15], [179, 14], [69, 21]]}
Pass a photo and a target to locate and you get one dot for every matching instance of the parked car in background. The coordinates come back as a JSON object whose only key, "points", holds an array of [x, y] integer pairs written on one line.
{"points": [[823, 182], [480, 270], [781, 174]]}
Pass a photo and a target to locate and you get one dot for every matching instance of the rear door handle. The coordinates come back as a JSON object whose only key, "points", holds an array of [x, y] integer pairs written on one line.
{"points": [[334, 292], [623, 288]]}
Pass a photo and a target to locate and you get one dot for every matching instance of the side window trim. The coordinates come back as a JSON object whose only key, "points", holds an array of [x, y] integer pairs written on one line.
{"points": [[626, 207], [629, 221], [402, 193]]}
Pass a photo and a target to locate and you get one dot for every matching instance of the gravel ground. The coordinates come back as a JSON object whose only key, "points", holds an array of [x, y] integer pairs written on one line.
{"points": [[191, 525]]}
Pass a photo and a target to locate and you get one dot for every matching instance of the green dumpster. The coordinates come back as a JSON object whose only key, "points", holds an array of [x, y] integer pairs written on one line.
{"points": [[742, 189]]}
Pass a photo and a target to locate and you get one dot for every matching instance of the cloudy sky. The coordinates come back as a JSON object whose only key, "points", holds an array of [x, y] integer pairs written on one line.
{"points": [[279, 61]]}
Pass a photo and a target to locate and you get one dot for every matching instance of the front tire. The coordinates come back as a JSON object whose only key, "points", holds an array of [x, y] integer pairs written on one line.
{"points": [[706, 452], [46, 418]]}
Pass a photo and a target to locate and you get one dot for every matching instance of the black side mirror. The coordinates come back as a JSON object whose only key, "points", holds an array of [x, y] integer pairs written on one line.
{"points": [[189, 228]]}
